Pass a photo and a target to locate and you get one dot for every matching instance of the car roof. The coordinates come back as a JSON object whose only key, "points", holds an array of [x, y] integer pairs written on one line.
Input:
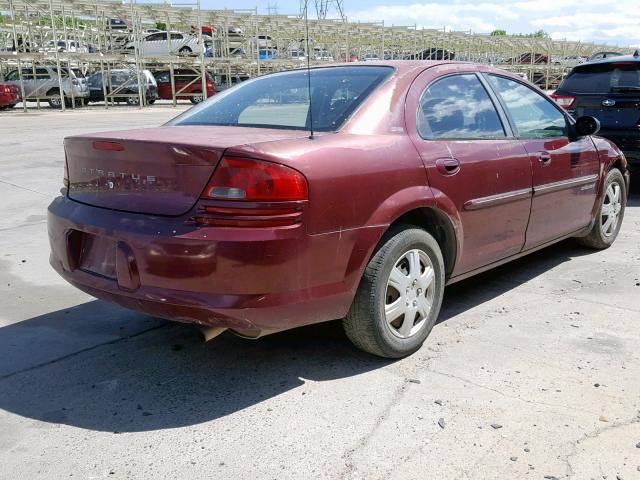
{"points": [[622, 58]]}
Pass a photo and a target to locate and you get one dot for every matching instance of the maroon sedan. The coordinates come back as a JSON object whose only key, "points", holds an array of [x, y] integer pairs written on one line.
{"points": [[417, 174], [9, 96], [187, 85]]}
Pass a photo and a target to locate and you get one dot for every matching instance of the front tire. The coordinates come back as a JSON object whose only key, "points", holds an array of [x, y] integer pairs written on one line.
{"points": [[610, 213], [400, 295]]}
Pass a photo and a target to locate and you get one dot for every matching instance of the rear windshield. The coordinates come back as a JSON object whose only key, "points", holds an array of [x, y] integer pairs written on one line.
{"points": [[603, 78], [281, 100]]}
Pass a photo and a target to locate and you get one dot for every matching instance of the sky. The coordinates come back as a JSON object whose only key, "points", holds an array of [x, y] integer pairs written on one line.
{"points": [[614, 22]]}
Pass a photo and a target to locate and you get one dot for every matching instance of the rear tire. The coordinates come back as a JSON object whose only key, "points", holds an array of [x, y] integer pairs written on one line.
{"points": [[133, 101], [400, 295], [56, 100], [185, 50], [196, 99], [609, 214]]}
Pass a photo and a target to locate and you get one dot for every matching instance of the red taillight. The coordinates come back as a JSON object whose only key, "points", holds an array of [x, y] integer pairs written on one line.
{"points": [[565, 101], [255, 180]]}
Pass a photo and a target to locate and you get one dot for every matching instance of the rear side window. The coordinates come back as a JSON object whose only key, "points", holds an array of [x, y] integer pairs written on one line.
{"points": [[458, 107], [282, 100], [534, 115], [603, 78]]}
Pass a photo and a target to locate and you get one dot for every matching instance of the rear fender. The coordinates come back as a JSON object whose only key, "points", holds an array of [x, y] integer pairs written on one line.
{"points": [[394, 207]]}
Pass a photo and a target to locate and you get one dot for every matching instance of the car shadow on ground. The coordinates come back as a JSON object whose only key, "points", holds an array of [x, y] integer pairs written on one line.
{"points": [[158, 375]]}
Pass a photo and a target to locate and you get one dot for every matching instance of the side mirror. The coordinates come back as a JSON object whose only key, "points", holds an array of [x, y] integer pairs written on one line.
{"points": [[587, 126]]}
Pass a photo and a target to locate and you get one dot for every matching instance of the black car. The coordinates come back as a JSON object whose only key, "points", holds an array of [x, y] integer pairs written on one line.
{"points": [[608, 89], [432, 54], [122, 86]]}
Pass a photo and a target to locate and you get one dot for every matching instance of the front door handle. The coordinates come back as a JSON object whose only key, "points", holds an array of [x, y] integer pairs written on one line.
{"points": [[448, 166], [544, 158]]}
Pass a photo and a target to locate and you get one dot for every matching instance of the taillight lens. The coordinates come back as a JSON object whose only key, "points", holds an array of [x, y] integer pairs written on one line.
{"points": [[255, 180], [565, 101]]}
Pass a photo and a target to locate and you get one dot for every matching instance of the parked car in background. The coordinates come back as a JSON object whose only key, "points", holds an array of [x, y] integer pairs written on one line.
{"points": [[601, 55], [298, 55], [121, 85], [42, 83], [324, 56], [9, 95], [263, 41], [64, 46], [234, 216], [351, 58], [117, 24], [609, 90], [432, 54], [267, 54], [371, 57], [166, 43], [234, 31], [222, 81], [207, 30], [187, 84]]}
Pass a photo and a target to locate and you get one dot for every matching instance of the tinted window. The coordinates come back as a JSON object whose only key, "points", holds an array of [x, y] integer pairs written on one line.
{"points": [[458, 107], [281, 100], [163, 77], [603, 78], [13, 76], [156, 36], [176, 36], [95, 80], [534, 115]]}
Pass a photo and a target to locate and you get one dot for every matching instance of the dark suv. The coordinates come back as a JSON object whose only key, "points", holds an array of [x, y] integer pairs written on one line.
{"points": [[608, 89]]}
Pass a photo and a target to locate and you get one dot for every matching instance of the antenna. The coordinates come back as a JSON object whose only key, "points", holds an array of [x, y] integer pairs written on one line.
{"points": [[306, 29]]}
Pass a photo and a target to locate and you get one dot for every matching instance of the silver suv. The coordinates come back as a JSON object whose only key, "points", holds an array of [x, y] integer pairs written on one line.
{"points": [[41, 83]]}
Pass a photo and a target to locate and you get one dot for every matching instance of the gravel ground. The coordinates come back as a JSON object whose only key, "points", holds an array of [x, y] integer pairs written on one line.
{"points": [[532, 372]]}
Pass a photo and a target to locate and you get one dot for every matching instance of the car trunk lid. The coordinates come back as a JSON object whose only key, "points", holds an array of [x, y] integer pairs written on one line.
{"points": [[158, 171]]}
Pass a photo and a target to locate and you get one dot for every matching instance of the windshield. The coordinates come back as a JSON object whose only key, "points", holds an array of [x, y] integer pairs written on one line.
{"points": [[281, 100], [603, 78]]}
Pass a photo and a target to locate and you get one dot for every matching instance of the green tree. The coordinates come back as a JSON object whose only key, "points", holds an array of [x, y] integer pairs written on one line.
{"points": [[161, 26], [498, 33]]}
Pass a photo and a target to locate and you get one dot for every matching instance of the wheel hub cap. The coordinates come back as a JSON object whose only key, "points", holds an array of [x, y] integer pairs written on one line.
{"points": [[611, 208], [410, 293]]}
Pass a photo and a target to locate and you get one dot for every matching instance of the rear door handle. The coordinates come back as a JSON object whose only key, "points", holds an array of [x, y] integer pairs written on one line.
{"points": [[544, 157], [448, 166]]}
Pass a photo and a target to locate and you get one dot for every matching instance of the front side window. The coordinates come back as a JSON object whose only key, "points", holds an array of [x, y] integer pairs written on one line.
{"points": [[458, 107], [156, 37], [163, 77], [282, 100], [533, 115], [13, 76]]}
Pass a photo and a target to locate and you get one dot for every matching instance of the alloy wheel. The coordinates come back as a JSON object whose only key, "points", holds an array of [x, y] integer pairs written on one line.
{"points": [[410, 293], [611, 208]]}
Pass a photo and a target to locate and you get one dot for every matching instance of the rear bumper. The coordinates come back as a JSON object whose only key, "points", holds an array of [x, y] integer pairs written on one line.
{"points": [[243, 279]]}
